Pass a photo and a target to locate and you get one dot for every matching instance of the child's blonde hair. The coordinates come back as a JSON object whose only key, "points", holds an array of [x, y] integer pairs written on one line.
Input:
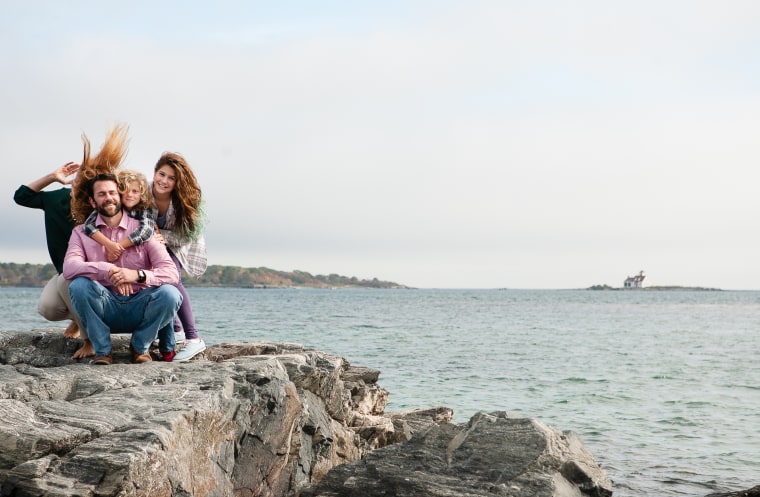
{"points": [[126, 176]]}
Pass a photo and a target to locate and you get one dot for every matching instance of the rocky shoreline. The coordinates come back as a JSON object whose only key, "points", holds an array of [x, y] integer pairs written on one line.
{"points": [[256, 419]]}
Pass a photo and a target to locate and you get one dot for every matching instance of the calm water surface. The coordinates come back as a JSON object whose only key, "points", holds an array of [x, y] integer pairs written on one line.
{"points": [[663, 387]]}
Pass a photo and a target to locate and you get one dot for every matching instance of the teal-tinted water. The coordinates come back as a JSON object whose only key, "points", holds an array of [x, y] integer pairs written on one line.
{"points": [[663, 387]]}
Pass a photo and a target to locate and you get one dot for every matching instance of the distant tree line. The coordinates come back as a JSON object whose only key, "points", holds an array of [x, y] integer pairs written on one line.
{"points": [[36, 275], [25, 275]]}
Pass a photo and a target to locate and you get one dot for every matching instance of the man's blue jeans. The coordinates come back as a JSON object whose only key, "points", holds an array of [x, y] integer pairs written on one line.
{"points": [[145, 314]]}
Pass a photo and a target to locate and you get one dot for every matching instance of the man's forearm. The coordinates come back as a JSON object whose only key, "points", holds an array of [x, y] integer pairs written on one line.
{"points": [[75, 263]]}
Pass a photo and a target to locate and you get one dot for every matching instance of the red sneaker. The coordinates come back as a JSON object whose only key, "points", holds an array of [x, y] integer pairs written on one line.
{"points": [[168, 356]]}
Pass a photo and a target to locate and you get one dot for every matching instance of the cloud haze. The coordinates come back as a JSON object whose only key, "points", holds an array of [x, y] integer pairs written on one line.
{"points": [[437, 144]]}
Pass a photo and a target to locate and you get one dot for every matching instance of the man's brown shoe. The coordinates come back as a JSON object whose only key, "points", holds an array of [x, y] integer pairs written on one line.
{"points": [[139, 358], [103, 360]]}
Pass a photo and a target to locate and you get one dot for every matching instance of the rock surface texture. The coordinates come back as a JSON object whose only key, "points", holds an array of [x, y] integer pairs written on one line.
{"points": [[492, 455], [752, 492], [254, 419]]}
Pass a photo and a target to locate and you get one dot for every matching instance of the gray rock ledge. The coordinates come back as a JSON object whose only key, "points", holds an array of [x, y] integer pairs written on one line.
{"points": [[751, 492], [255, 419]]}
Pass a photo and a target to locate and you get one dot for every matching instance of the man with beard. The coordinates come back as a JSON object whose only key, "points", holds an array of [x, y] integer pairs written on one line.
{"points": [[134, 294]]}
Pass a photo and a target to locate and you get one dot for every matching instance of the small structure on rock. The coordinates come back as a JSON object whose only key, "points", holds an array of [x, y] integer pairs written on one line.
{"points": [[635, 281]]}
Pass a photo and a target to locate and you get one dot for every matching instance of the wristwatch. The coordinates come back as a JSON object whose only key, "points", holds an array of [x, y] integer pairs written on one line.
{"points": [[140, 276]]}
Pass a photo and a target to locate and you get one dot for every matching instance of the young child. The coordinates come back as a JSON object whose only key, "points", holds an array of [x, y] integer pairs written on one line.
{"points": [[136, 198]]}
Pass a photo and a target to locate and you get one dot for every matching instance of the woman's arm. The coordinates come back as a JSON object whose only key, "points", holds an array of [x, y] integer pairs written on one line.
{"points": [[31, 194], [61, 175]]}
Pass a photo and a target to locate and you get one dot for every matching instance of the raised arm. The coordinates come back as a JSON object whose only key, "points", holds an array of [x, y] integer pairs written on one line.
{"points": [[61, 175]]}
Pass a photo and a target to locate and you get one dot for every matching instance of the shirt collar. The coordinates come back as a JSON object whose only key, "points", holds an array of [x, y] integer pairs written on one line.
{"points": [[100, 222]]}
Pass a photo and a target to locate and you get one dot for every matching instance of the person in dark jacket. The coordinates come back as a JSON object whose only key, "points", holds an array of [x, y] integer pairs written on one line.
{"points": [[55, 303]]}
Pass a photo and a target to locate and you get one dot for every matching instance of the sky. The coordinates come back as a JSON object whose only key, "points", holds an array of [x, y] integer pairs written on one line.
{"points": [[437, 144]]}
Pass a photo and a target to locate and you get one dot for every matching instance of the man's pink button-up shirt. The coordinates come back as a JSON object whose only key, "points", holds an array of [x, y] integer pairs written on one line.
{"points": [[86, 257]]}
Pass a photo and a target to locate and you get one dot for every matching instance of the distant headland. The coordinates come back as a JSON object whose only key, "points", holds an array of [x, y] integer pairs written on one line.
{"points": [[36, 275]]}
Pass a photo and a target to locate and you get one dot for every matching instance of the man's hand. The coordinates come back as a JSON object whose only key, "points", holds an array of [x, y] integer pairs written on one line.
{"points": [[125, 289], [122, 278], [120, 275]]}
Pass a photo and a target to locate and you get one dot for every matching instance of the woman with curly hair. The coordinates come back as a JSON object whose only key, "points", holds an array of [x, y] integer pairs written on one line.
{"points": [[180, 218]]}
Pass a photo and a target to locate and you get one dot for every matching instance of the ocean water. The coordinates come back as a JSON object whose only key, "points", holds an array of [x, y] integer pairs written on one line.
{"points": [[663, 387]]}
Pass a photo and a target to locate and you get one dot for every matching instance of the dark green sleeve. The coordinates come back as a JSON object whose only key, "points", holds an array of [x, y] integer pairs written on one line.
{"points": [[56, 205], [27, 197]]}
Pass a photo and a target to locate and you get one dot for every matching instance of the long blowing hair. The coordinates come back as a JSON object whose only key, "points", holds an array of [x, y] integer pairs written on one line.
{"points": [[186, 196], [106, 161]]}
